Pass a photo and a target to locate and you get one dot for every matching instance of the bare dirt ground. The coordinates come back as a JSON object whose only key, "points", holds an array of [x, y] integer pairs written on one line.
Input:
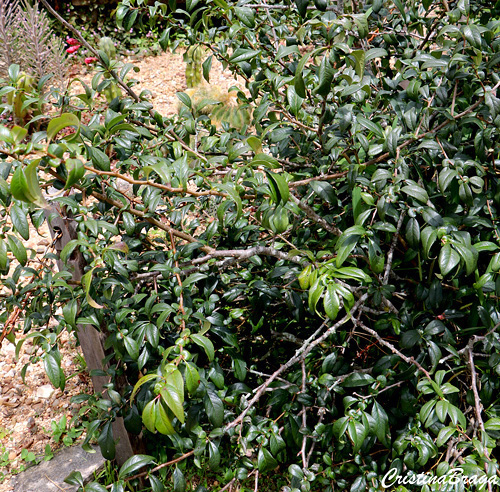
{"points": [[29, 409]]}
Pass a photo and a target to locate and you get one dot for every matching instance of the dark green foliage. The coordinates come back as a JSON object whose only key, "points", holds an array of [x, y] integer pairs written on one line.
{"points": [[315, 296]]}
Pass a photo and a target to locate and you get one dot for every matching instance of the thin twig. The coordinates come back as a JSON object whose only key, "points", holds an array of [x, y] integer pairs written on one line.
{"points": [[243, 254], [477, 403], [179, 281], [138, 213], [229, 484], [148, 182], [304, 416], [313, 341], [314, 216], [321, 413], [393, 349], [390, 255]]}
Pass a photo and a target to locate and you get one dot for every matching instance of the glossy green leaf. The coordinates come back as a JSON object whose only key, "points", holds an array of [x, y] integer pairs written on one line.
{"points": [[416, 192], [54, 372], [192, 377], [64, 121], [99, 159], [357, 433], [265, 461], [381, 424], [179, 480], [106, 442], [173, 400], [205, 343], [214, 408], [162, 422], [246, 15], [294, 100], [3, 255], [133, 464], [233, 194], [448, 259], [18, 249], [75, 171], [131, 346], [492, 424], [331, 302], [20, 221], [444, 435], [325, 78], [302, 6]]}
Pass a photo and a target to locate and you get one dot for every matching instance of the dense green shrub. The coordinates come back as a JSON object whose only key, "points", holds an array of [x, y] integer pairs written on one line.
{"points": [[314, 296]]}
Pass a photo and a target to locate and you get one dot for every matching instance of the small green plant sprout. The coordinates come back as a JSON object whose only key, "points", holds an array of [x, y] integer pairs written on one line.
{"points": [[108, 86], [20, 94], [193, 58], [28, 456]]}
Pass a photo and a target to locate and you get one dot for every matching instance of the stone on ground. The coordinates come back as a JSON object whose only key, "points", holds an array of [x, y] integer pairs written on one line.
{"points": [[48, 476]]}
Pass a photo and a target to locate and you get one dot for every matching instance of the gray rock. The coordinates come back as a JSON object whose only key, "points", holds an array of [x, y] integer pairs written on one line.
{"points": [[48, 476], [45, 391]]}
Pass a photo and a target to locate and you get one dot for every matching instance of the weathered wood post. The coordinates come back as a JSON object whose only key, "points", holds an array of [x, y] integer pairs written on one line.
{"points": [[64, 229]]}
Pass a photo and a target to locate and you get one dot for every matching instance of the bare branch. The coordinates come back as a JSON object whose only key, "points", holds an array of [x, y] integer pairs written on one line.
{"points": [[313, 341], [326, 177], [390, 255], [314, 216], [304, 416], [393, 349]]}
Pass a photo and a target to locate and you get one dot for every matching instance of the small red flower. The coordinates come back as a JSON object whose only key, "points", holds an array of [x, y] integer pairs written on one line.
{"points": [[90, 59], [73, 49], [72, 41]]}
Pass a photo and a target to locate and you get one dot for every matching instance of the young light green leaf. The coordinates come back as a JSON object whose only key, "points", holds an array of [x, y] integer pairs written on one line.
{"points": [[61, 122], [86, 283], [192, 377], [163, 424], [172, 399], [331, 302], [149, 416]]}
